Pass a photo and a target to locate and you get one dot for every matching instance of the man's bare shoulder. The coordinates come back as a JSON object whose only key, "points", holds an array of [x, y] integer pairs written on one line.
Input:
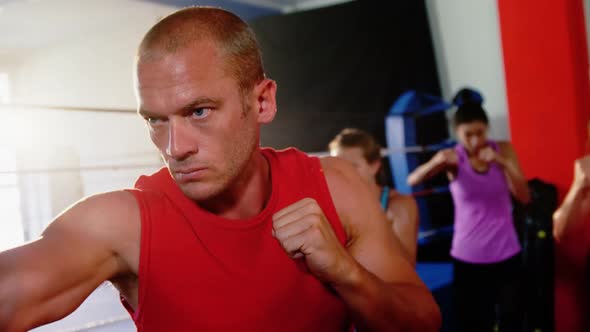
{"points": [[359, 211], [100, 212], [109, 219], [341, 177]]}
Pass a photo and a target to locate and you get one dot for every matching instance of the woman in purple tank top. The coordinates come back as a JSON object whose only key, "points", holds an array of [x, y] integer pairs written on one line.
{"points": [[483, 176]]}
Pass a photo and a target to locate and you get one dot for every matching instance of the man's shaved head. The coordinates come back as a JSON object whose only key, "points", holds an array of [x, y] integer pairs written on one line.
{"points": [[189, 26]]}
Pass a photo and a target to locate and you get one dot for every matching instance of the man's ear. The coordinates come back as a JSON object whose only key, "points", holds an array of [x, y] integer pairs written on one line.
{"points": [[266, 102]]}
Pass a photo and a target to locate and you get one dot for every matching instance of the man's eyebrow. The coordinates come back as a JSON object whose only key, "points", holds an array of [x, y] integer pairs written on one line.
{"points": [[200, 101], [188, 107]]}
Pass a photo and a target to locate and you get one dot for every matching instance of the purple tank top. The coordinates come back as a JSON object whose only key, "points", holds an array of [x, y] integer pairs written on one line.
{"points": [[484, 230]]}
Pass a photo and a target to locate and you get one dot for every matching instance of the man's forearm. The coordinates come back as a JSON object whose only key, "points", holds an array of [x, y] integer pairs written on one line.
{"points": [[380, 306]]}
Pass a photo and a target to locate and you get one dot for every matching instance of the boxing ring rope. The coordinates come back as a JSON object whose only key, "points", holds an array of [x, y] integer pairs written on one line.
{"points": [[106, 167], [40, 108], [26, 171], [110, 167]]}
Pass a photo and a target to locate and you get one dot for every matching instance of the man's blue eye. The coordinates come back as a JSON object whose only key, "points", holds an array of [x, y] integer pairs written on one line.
{"points": [[201, 112]]}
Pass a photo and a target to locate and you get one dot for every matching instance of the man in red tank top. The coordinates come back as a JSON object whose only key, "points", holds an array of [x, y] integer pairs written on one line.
{"points": [[228, 236]]}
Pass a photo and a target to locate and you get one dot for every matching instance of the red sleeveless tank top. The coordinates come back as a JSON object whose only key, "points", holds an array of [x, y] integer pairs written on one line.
{"points": [[201, 272]]}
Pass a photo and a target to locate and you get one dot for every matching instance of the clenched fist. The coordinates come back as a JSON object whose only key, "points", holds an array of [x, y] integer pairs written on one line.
{"points": [[304, 232]]}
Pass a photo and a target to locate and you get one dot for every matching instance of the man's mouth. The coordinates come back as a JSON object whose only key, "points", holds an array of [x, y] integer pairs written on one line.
{"points": [[188, 174]]}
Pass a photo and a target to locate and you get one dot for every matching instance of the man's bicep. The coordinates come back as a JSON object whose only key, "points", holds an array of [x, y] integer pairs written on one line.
{"points": [[381, 253], [46, 279], [370, 239]]}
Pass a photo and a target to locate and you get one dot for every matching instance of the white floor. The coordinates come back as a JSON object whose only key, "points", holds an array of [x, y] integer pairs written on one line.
{"points": [[101, 312]]}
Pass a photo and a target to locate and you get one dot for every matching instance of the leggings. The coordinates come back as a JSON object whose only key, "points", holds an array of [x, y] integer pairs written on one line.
{"points": [[488, 296]]}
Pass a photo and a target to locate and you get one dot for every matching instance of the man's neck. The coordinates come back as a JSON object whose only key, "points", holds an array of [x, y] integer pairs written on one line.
{"points": [[248, 195]]}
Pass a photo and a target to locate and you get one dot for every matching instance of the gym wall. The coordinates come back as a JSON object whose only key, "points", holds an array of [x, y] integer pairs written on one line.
{"points": [[343, 66]]}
